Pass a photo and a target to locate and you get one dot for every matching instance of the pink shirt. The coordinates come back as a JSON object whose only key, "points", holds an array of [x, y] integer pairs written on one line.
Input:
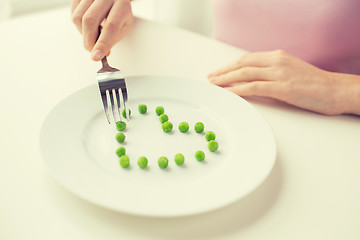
{"points": [[325, 33]]}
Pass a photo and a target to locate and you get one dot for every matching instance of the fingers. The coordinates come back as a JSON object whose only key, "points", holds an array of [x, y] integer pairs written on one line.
{"points": [[245, 74], [114, 15], [227, 68], [80, 7], [91, 21], [117, 24], [260, 89], [255, 59], [74, 4]]}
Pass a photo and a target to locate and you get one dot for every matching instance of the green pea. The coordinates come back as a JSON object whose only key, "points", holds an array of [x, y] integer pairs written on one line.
{"points": [[184, 127], [200, 155], [120, 126], [210, 135], [124, 161], [124, 113], [163, 162], [120, 137], [213, 146], [163, 118], [120, 151], [179, 159], [199, 127], [142, 162], [167, 126], [142, 108], [159, 110]]}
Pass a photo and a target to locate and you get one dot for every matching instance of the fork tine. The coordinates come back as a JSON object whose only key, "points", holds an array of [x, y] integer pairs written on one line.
{"points": [[111, 79], [124, 98], [112, 103], [124, 92], [104, 100], [117, 96]]}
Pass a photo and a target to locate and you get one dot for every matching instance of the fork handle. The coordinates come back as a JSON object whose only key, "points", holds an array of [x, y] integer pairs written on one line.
{"points": [[99, 32], [104, 59], [105, 62]]}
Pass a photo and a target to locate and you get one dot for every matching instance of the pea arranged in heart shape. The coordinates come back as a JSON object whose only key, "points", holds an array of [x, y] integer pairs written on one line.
{"points": [[166, 126]]}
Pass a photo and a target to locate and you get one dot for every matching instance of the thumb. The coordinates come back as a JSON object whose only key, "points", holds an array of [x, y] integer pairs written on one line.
{"points": [[100, 50]]}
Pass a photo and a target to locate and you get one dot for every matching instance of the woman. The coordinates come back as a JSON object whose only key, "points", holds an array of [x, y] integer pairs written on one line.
{"points": [[318, 68]]}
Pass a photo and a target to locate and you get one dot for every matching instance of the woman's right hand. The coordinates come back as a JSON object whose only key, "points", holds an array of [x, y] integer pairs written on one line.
{"points": [[115, 17]]}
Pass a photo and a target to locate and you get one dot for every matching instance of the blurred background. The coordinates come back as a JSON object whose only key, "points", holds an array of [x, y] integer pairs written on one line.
{"points": [[188, 14]]}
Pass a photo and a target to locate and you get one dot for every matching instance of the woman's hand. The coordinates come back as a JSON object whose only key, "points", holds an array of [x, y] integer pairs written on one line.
{"points": [[282, 76], [115, 17]]}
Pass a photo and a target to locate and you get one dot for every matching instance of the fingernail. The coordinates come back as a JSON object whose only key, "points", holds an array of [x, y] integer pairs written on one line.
{"points": [[97, 55], [212, 79]]}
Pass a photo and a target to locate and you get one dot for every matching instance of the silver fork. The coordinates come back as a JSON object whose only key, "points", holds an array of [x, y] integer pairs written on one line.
{"points": [[111, 81]]}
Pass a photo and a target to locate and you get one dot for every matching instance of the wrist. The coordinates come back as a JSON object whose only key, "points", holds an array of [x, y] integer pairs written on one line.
{"points": [[348, 93]]}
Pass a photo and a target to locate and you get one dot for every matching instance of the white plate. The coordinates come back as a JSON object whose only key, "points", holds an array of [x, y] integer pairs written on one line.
{"points": [[78, 146]]}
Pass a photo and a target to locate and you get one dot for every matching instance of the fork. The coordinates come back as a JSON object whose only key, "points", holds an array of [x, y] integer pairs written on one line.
{"points": [[111, 81]]}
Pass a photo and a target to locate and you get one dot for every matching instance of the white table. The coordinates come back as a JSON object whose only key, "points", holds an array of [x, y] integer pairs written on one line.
{"points": [[313, 191]]}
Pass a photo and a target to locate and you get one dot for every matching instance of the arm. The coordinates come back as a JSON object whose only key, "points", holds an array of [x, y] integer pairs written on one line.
{"points": [[284, 77]]}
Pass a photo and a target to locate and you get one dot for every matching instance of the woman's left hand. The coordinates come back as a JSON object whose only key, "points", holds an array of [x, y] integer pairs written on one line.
{"points": [[282, 76]]}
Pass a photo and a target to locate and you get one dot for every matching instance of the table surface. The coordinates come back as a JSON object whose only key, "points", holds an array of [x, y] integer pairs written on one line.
{"points": [[313, 191]]}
